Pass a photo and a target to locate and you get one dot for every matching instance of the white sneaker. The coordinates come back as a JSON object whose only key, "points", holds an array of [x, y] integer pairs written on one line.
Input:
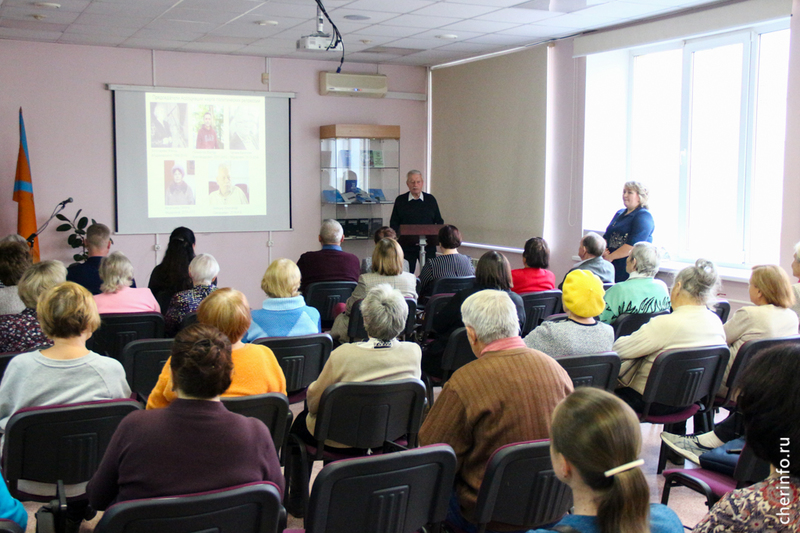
{"points": [[685, 446]]}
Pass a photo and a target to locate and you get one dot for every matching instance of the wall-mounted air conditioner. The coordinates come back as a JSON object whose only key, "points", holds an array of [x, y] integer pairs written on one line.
{"points": [[366, 85]]}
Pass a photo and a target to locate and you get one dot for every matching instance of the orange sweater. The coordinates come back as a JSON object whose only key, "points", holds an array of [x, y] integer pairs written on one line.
{"points": [[255, 371]]}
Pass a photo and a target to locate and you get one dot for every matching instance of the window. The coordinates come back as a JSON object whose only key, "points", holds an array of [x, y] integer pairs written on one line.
{"points": [[702, 124]]}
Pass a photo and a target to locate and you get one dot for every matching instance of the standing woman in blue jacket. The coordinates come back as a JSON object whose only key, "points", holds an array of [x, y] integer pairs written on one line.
{"points": [[630, 225]]}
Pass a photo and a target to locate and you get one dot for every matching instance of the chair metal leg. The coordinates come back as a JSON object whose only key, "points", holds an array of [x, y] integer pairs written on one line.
{"points": [[662, 458]]}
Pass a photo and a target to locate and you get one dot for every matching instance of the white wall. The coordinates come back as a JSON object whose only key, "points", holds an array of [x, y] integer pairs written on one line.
{"points": [[68, 118]]}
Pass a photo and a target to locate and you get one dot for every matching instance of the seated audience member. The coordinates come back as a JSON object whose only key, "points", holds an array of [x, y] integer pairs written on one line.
{"points": [[330, 263], [67, 372], [387, 267], [381, 358], [770, 317], [195, 444], [534, 277], [641, 292], [172, 274], [581, 333], [493, 272], [98, 244], [11, 508], [449, 264], [591, 253], [117, 295], [15, 258], [14, 237], [256, 371], [384, 232], [506, 396], [690, 324], [21, 332], [769, 400], [796, 274], [284, 313], [203, 270], [595, 447]]}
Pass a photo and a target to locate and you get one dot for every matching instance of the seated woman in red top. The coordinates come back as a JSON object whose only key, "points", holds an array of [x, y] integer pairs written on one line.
{"points": [[195, 444], [534, 277]]}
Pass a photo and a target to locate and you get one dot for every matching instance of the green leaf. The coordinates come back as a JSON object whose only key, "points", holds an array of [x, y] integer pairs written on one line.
{"points": [[74, 241], [62, 217], [94, 221], [64, 227], [83, 222], [79, 257]]}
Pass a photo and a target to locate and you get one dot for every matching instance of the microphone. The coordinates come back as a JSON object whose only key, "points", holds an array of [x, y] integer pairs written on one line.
{"points": [[65, 202]]}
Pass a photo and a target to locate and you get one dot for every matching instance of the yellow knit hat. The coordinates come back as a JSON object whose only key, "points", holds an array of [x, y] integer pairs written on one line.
{"points": [[583, 293]]}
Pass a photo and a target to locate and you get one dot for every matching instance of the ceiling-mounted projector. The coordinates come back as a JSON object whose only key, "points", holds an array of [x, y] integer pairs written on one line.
{"points": [[319, 40]]}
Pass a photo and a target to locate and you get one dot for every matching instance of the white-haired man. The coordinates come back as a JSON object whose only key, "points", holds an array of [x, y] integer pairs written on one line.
{"points": [[506, 396], [330, 263], [415, 207], [590, 250]]}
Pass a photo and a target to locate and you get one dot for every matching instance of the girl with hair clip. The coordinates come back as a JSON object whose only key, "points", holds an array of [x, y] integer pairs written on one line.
{"points": [[172, 275], [595, 445]]}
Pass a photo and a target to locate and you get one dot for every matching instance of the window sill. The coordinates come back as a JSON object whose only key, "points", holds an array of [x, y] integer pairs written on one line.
{"points": [[736, 275]]}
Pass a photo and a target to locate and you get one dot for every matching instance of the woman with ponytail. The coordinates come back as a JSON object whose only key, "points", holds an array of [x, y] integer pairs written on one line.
{"points": [[690, 324], [172, 274], [595, 445]]}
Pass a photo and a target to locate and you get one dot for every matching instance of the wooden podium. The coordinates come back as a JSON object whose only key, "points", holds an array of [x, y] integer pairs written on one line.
{"points": [[419, 235]]}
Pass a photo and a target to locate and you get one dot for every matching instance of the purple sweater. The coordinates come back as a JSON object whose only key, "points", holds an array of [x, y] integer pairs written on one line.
{"points": [[327, 265], [190, 446]]}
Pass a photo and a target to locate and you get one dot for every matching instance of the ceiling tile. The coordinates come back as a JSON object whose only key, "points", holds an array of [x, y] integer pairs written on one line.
{"points": [[228, 6], [388, 31], [28, 35], [166, 35], [95, 39], [124, 21], [215, 48], [154, 44], [390, 6], [480, 26], [498, 39], [520, 16], [460, 35], [418, 21], [374, 16], [53, 16], [181, 25], [450, 9], [491, 3], [90, 30], [33, 25], [199, 15], [538, 30]]}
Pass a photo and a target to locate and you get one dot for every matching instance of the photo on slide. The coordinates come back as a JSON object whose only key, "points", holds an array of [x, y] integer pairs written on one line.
{"points": [[169, 125], [244, 120], [180, 182], [208, 121], [228, 182]]}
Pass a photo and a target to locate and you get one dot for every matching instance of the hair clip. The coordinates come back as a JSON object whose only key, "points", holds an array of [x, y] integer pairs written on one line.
{"points": [[623, 468]]}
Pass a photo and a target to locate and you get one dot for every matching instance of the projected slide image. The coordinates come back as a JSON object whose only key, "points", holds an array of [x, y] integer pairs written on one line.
{"points": [[244, 120], [207, 121], [169, 125], [180, 182], [229, 186]]}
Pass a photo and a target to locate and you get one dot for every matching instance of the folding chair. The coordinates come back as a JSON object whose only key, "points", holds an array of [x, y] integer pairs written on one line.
{"points": [[301, 359], [599, 370], [538, 306], [118, 329], [143, 361]]}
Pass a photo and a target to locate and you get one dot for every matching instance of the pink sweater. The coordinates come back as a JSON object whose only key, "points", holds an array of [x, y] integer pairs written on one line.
{"points": [[127, 300]]}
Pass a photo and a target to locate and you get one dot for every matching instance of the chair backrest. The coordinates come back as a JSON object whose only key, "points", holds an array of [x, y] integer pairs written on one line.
{"points": [[65, 442], [189, 319], [722, 308], [521, 488], [8, 526], [301, 358], [271, 408], [599, 370], [625, 324], [538, 306], [684, 376], [559, 317], [143, 361], [457, 353], [389, 493], [6, 358], [452, 285], [745, 353], [324, 295], [434, 304], [252, 508], [355, 327], [749, 468], [118, 329], [607, 286], [367, 415]]}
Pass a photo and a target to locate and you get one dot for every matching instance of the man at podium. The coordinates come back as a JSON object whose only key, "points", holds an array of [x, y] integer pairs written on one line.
{"points": [[415, 208]]}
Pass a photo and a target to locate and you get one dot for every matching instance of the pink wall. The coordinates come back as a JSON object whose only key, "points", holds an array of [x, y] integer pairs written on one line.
{"points": [[68, 118]]}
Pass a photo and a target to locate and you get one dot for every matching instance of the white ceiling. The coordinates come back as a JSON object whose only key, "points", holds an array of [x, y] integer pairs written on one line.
{"points": [[231, 26]]}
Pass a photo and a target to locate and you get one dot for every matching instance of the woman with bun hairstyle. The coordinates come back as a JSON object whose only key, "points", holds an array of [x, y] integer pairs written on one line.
{"points": [[595, 445], [690, 324], [172, 275]]}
